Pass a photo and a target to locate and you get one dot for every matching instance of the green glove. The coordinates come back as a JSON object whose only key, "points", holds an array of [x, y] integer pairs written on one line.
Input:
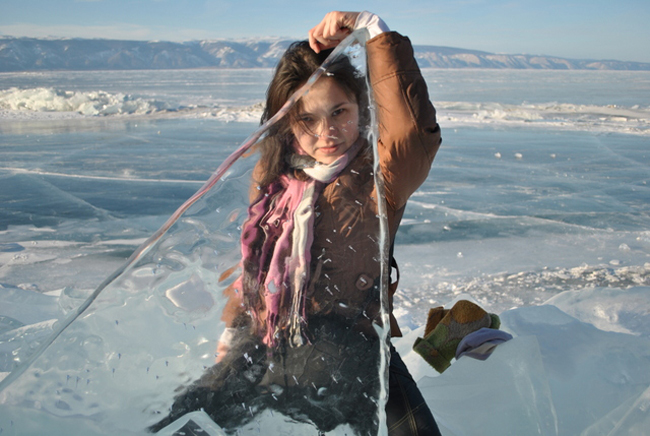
{"points": [[446, 328]]}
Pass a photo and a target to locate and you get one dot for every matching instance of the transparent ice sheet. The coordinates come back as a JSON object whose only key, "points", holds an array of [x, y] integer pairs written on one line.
{"points": [[151, 330]]}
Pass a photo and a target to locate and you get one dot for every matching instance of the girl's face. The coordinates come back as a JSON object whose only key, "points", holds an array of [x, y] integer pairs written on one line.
{"points": [[328, 122]]}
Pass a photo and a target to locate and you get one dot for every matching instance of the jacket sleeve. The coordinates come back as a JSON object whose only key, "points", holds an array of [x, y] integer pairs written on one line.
{"points": [[409, 135]]}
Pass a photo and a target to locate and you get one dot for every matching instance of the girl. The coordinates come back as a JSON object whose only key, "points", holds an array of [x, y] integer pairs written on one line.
{"points": [[300, 336]]}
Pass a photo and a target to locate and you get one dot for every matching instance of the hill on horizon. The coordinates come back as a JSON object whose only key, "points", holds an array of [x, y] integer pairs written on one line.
{"points": [[42, 54]]}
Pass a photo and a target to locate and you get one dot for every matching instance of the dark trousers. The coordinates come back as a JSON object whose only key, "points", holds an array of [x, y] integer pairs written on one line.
{"points": [[407, 414], [223, 389]]}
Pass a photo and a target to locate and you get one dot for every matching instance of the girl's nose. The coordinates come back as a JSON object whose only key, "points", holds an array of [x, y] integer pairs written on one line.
{"points": [[327, 129]]}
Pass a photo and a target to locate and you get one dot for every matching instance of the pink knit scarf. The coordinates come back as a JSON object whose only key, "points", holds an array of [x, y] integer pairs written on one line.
{"points": [[276, 250]]}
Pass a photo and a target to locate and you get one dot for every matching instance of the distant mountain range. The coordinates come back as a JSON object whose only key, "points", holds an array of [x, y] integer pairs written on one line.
{"points": [[36, 54]]}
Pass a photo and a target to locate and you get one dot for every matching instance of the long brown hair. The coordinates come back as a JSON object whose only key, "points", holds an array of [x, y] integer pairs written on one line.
{"points": [[296, 66]]}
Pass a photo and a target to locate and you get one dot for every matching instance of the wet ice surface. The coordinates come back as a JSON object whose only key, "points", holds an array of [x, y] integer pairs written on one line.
{"points": [[570, 213], [549, 230], [512, 216]]}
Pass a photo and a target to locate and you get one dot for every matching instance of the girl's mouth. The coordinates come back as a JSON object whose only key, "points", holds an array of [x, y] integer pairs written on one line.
{"points": [[329, 149]]}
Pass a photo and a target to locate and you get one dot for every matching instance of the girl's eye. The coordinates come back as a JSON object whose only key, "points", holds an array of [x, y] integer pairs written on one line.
{"points": [[338, 112], [308, 122]]}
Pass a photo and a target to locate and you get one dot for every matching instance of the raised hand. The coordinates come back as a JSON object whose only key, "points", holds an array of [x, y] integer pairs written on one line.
{"points": [[332, 30]]}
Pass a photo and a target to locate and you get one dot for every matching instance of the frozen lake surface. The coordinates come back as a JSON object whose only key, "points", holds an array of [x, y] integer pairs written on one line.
{"points": [[537, 208]]}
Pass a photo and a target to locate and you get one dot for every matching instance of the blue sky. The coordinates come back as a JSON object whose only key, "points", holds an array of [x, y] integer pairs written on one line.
{"points": [[586, 29]]}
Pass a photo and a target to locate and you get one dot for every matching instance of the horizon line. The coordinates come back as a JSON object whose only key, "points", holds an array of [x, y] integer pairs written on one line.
{"points": [[288, 38]]}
